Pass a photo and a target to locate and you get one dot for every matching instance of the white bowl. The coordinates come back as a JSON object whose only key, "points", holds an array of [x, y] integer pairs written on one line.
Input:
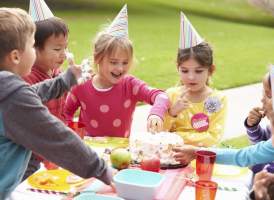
{"points": [[136, 184]]}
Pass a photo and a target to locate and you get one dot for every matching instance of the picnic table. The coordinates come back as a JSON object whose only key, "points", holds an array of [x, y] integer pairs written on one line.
{"points": [[233, 182]]}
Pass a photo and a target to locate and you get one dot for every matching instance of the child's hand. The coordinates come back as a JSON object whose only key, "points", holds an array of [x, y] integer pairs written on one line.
{"points": [[255, 116], [76, 70], [154, 124], [181, 104], [262, 181], [184, 154]]}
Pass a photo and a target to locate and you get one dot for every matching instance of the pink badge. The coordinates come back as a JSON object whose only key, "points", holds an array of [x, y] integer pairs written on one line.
{"points": [[200, 122]]}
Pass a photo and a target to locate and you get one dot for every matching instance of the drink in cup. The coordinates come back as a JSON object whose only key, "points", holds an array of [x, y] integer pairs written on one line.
{"points": [[205, 190], [204, 164]]}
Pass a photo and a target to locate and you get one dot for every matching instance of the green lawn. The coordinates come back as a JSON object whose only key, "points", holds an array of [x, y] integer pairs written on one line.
{"points": [[242, 36]]}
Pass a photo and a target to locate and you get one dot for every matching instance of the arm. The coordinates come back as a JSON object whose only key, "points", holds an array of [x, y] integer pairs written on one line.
{"points": [[257, 133], [155, 120], [262, 152], [54, 88], [160, 105], [155, 97], [36, 129], [72, 104]]}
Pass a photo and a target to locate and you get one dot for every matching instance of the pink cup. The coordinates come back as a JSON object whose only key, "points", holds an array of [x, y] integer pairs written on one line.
{"points": [[205, 190], [204, 164]]}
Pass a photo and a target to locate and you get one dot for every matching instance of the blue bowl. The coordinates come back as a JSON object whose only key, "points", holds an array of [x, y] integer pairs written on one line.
{"points": [[93, 196], [137, 184]]}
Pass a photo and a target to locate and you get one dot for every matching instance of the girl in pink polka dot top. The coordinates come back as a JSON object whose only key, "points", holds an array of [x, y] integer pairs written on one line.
{"points": [[108, 100]]}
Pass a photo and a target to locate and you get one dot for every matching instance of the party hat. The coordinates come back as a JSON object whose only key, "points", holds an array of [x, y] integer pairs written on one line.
{"points": [[119, 26], [189, 37], [39, 10]]}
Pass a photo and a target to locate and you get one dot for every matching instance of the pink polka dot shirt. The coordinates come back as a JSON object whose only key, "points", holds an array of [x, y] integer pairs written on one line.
{"points": [[110, 112]]}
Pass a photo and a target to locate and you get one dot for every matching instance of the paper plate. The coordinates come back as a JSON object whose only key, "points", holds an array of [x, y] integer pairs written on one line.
{"points": [[226, 171], [56, 180]]}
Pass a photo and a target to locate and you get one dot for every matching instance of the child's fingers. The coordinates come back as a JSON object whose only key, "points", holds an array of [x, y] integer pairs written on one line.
{"points": [[184, 93], [177, 149], [256, 113], [70, 58]]}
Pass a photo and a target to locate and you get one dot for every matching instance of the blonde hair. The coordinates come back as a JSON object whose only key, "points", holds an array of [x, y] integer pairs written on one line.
{"points": [[16, 26], [106, 44]]}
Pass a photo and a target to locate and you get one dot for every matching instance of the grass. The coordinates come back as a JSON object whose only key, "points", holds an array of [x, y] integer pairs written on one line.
{"points": [[241, 35]]}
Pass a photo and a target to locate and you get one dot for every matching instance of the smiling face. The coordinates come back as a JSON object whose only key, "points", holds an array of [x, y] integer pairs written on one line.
{"points": [[193, 75], [52, 55], [113, 67]]}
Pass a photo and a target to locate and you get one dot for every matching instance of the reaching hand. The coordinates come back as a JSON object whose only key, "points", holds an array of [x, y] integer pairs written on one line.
{"points": [[181, 104], [154, 124], [262, 181], [184, 154], [255, 116]]}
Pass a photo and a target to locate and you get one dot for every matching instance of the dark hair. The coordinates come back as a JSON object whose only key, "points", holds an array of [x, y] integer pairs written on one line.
{"points": [[16, 26], [46, 28], [202, 53]]}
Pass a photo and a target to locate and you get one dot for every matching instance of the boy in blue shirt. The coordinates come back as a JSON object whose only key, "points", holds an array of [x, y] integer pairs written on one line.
{"points": [[25, 123]]}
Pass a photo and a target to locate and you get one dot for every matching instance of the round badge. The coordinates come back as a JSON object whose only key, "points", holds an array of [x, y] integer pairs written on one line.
{"points": [[200, 122]]}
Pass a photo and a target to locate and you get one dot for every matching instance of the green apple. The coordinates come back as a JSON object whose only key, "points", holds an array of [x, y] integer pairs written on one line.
{"points": [[120, 158]]}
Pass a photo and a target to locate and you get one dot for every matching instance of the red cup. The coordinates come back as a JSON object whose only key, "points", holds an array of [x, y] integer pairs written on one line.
{"points": [[49, 165], [151, 164], [204, 164], [78, 127], [205, 190]]}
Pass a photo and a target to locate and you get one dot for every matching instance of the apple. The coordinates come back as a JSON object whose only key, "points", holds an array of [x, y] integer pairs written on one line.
{"points": [[120, 158], [151, 164]]}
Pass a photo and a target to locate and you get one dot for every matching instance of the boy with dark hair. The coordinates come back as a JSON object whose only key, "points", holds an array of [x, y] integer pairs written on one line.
{"points": [[51, 38], [25, 123]]}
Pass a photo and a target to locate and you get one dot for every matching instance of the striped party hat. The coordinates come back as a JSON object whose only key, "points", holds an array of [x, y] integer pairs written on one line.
{"points": [[119, 26], [39, 10], [189, 37]]}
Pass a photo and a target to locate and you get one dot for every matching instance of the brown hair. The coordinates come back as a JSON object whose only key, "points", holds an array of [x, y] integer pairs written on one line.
{"points": [[202, 53], [46, 28], [105, 45], [16, 26]]}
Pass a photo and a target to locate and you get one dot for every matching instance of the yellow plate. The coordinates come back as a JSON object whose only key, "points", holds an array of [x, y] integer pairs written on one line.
{"points": [[52, 180], [226, 171]]}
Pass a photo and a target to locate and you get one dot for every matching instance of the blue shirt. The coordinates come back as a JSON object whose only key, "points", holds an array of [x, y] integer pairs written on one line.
{"points": [[262, 152]]}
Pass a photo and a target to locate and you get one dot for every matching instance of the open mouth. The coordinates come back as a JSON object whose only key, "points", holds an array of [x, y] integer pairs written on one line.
{"points": [[115, 75]]}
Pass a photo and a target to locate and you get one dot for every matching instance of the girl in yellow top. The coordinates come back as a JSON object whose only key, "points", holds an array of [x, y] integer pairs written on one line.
{"points": [[197, 112]]}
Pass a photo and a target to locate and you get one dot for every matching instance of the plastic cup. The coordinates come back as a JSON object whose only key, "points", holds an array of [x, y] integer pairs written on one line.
{"points": [[205, 190], [49, 165], [78, 127], [204, 164]]}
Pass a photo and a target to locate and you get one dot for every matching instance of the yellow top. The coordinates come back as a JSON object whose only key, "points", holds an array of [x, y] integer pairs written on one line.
{"points": [[214, 107]]}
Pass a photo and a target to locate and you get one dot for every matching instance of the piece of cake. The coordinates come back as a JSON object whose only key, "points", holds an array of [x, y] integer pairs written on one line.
{"points": [[147, 145]]}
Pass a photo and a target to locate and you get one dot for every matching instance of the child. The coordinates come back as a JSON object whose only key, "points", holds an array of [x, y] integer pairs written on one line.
{"points": [[255, 132], [51, 39], [261, 152], [108, 101], [263, 186], [197, 112], [25, 123]]}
